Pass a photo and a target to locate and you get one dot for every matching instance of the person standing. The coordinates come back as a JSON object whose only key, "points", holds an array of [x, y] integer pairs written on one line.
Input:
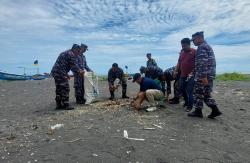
{"points": [[204, 74], [185, 66], [65, 62], [169, 76], [116, 72], [78, 79], [151, 61]]}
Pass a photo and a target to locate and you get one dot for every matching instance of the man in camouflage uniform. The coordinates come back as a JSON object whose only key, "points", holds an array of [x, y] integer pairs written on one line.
{"points": [[65, 62], [204, 74], [114, 73], [78, 79], [169, 76], [151, 61], [155, 73]]}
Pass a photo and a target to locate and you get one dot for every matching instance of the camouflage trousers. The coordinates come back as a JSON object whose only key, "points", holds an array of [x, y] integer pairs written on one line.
{"points": [[123, 83], [203, 94], [62, 90], [79, 86]]}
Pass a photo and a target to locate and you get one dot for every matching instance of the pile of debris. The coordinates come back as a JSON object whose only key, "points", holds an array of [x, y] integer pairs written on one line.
{"points": [[117, 104]]}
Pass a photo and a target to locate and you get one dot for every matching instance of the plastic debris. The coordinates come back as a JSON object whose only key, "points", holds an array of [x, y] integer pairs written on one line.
{"points": [[157, 126], [150, 109], [125, 135], [53, 128], [149, 128], [71, 141]]}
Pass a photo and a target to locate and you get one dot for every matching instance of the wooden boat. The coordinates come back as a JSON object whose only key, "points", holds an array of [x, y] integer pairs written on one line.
{"points": [[7, 76]]}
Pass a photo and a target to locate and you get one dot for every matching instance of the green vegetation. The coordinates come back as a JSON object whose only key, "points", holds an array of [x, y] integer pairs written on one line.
{"points": [[103, 78], [233, 77]]}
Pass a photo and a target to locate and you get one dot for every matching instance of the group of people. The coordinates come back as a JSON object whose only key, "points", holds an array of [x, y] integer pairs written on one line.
{"points": [[193, 78]]}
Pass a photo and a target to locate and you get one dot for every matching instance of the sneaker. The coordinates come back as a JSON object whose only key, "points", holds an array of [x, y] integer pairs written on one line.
{"points": [[196, 113], [184, 105], [153, 108], [188, 109], [174, 100]]}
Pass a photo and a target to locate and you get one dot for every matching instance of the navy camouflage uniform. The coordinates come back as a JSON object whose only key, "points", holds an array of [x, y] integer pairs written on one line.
{"points": [[155, 73], [151, 62], [65, 62], [169, 74], [114, 75], [78, 79], [205, 66]]}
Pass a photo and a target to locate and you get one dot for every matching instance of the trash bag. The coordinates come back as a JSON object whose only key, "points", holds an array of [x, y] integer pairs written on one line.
{"points": [[91, 91]]}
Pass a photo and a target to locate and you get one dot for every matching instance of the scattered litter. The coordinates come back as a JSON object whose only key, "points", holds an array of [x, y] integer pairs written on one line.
{"points": [[95, 155], [52, 128], [128, 152], [71, 141], [125, 135], [150, 109], [157, 126], [172, 139], [149, 128], [32, 154]]}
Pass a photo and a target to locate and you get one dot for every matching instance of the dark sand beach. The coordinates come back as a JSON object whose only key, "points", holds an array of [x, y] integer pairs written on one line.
{"points": [[95, 133]]}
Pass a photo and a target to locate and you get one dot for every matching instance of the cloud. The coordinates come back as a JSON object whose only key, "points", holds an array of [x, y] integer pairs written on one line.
{"points": [[122, 31]]}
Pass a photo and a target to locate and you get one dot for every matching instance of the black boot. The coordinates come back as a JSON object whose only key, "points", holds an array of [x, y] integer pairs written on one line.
{"points": [[124, 95], [215, 112], [58, 103], [67, 107], [80, 100], [124, 92], [112, 95], [174, 100], [196, 113]]}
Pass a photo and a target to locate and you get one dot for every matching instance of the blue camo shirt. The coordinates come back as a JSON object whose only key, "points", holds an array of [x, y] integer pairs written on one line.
{"points": [[148, 83]]}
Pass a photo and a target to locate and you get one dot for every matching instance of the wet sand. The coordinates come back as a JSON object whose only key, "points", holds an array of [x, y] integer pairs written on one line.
{"points": [[94, 133]]}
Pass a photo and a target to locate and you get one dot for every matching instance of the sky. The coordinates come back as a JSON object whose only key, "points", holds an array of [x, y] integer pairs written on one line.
{"points": [[121, 31]]}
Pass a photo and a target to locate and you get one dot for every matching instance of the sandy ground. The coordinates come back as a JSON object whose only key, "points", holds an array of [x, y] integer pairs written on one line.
{"points": [[94, 133]]}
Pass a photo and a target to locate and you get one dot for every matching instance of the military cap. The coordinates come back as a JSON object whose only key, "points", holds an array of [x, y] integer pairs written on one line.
{"points": [[115, 65], [136, 76], [84, 46], [142, 69], [198, 34]]}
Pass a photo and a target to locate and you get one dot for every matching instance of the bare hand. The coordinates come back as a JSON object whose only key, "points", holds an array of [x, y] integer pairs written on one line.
{"points": [[175, 74], [204, 81], [67, 77], [81, 72]]}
